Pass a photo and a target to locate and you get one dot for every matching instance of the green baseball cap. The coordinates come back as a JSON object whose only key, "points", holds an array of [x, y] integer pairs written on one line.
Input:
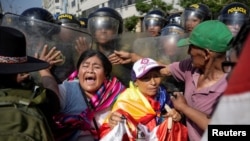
{"points": [[212, 34]]}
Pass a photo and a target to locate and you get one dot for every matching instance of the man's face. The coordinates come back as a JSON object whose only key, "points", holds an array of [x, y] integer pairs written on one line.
{"points": [[234, 28], [197, 55], [191, 23], [103, 35], [154, 30]]}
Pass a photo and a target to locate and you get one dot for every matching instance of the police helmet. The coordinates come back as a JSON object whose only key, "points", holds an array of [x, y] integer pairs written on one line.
{"points": [[174, 18], [200, 11], [39, 14], [155, 17], [68, 20], [172, 28], [83, 22], [234, 13], [38, 18], [105, 18]]}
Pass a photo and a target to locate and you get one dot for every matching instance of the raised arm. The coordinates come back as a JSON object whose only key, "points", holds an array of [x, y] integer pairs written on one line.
{"points": [[123, 57], [50, 56]]}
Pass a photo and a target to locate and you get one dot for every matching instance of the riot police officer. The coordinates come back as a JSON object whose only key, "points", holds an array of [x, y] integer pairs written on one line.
{"points": [[83, 22], [35, 17], [106, 26], [234, 15], [154, 21], [37, 25], [195, 14], [37, 13], [68, 20]]}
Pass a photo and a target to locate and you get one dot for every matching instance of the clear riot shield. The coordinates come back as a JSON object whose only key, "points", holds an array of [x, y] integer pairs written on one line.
{"points": [[106, 42], [161, 48], [39, 33]]}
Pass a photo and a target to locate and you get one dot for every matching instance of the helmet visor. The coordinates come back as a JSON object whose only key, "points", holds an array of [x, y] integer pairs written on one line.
{"points": [[172, 30], [103, 23], [188, 14], [233, 19], [153, 20]]}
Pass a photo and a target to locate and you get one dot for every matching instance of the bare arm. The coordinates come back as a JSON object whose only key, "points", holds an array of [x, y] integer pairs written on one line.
{"points": [[165, 71], [123, 57], [49, 56]]}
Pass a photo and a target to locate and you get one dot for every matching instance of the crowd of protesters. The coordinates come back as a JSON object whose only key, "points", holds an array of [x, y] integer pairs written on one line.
{"points": [[180, 74]]}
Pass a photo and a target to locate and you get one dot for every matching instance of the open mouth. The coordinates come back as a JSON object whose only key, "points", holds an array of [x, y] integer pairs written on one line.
{"points": [[90, 79]]}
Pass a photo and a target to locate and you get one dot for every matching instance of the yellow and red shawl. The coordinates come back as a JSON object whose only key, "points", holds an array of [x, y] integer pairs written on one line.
{"points": [[139, 107]]}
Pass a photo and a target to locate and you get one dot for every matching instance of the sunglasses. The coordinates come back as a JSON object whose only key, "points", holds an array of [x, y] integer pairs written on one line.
{"points": [[227, 66]]}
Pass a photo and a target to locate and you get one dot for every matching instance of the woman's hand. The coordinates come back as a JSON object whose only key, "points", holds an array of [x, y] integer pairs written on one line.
{"points": [[114, 119], [171, 112], [52, 56], [174, 114]]}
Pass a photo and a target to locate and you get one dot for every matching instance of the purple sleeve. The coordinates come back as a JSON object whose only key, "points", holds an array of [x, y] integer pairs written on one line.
{"points": [[178, 69]]}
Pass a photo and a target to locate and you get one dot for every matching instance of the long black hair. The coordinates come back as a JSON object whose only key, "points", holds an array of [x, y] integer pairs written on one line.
{"points": [[90, 53]]}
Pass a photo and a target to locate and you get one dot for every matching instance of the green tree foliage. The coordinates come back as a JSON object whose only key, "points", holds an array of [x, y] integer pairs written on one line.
{"points": [[131, 22], [144, 7]]}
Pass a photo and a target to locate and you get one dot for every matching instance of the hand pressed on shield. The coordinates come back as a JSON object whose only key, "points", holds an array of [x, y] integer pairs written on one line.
{"points": [[81, 45], [123, 57], [52, 56]]}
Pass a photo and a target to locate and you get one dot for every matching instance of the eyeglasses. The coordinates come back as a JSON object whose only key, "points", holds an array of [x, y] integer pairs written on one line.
{"points": [[227, 66]]}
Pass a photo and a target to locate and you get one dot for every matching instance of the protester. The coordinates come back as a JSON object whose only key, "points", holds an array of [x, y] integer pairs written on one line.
{"points": [[206, 57], [154, 21], [16, 123], [106, 26], [234, 105], [234, 15], [193, 15], [202, 73], [145, 100], [85, 102]]}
